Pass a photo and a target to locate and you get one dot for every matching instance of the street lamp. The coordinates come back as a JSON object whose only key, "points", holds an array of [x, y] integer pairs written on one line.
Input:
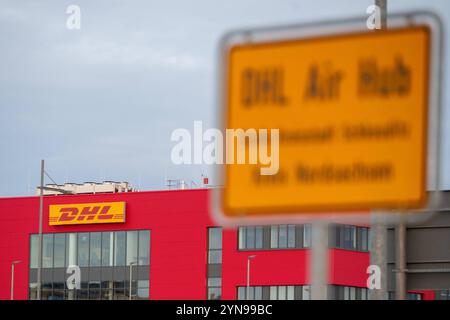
{"points": [[12, 277], [41, 209], [249, 258], [133, 263]]}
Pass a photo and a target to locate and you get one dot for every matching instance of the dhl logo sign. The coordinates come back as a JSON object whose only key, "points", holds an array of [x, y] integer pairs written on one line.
{"points": [[87, 213]]}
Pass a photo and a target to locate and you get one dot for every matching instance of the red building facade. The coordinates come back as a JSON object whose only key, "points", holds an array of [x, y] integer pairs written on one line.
{"points": [[179, 252]]}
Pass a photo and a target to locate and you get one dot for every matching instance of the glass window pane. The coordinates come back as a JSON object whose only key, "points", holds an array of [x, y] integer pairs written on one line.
{"points": [[215, 238], [364, 294], [83, 249], [258, 293], [306, 293], [291, 236], [307, 236], [214, 282], [250, 241], [143, 293], [251, 293], [107, 248], [346, 293], [258, 237], [144, 247], [47, 251], [71, 249], [241, 293], [274, 237], [214, 293], [282, 293], [95, 250], [353, 233], [34, 245], [290, 293], [119, 248], [282, 237], [241, 237], [132, 247], [338, 231], [352, 293], [59, 250], [143, 283], [215, 256], [364, 239], [273, 293]]}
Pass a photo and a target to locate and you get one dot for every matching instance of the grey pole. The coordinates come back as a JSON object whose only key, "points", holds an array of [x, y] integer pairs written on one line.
{"points": [[247, 294], [12, 277], [378, 254], [400, 260], [382, 4], [378, 232], [131, 279], [319, 261], [41, 208]]}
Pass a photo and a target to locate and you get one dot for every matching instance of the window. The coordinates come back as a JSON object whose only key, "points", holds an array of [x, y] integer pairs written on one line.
{"points": [[289, 292], [119, 248], [94, 290], [47, 251], [144, 248], [107, 248], [442, 295], [34, 245], [215, 245], [214, 293], [274, 237], [413, 296], [59, 251], [307, 236], [143, 290], [348, 293], [282, 293], [214, 280], [83, 249], [132, 247], [351, 238], [91, 250], [306, 293], [363, 239], [250, 238], [282, 237], [95, 249], [254, 293], [291, 236]]}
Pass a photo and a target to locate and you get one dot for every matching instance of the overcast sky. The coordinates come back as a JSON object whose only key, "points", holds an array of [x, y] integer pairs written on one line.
{"points": [[100, 103]]}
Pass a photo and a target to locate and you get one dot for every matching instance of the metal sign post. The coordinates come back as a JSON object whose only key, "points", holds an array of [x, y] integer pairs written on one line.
{"points": [[319, 261], [378, 239]]}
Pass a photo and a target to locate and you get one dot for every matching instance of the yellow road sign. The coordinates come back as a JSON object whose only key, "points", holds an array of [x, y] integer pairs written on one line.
{"points": [[352, 114]]}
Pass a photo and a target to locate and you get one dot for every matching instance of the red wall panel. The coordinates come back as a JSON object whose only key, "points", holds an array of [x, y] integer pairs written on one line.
{"points": [[348, 267]]}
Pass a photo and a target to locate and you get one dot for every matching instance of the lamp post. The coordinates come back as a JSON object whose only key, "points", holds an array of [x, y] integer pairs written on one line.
{"points": [[247, 294], [131, 277], [41, 209], [12, 277]]}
